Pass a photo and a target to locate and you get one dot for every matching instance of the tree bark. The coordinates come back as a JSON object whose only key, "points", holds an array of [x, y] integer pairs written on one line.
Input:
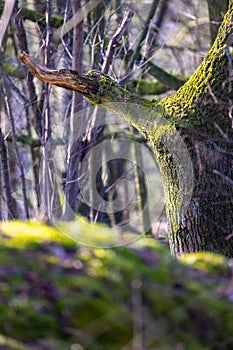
{"points": [[199, 200]]}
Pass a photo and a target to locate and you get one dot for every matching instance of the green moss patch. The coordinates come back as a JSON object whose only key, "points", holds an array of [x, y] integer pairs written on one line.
{"points": [[55, 294]]}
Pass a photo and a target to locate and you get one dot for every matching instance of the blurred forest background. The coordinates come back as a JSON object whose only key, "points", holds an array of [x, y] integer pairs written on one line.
{"points": [[149, 47], [54, 293]]}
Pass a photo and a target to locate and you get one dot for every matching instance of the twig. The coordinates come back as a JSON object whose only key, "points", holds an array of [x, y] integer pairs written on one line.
{"points": [[46, 119], [143, 35], [76, 19], [157, 26], [113, 42], [226, 178], [161, 75], [39, 17], [5, 18]]}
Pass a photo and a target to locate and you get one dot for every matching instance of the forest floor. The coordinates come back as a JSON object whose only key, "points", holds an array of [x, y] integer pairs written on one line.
{"points": [[56, 295]]}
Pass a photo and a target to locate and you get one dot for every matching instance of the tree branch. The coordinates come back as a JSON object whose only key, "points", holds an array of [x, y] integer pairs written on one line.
{"points": [[217, 9], [113, 42], [5, 18], [35, 16], [144, 87], [171, 81], [135, 57], [97, 87], [68, 79]]}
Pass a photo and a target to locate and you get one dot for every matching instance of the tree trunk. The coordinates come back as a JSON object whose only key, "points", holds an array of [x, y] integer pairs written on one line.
{"points": [[75, 146], [191, 134]]}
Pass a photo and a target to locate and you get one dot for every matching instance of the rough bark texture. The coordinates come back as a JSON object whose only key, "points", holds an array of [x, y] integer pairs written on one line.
{"points": [[201, 111]]}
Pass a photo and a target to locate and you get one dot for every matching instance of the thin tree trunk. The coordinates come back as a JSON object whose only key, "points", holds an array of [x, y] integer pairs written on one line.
{"points": [[217, 9], [31, 93], [16, 148], [6, 178], [136, 55], [75, 145]]}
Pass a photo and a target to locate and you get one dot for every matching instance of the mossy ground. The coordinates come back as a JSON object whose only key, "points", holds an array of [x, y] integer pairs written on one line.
{"points": [[56, 295]]}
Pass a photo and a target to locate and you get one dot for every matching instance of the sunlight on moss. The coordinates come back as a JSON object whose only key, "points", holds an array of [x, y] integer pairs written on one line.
{"points": [[21, 234], [79, 232], [206, 261], [96, 293]]}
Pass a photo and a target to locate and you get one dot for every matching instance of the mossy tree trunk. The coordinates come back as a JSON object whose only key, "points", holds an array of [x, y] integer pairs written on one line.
{"points": [[202, 113]]}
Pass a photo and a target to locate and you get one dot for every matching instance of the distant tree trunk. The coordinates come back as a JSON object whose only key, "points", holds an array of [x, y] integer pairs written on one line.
{"points": [[75, 145], [6, 184], [217, 9], [199, 199]]}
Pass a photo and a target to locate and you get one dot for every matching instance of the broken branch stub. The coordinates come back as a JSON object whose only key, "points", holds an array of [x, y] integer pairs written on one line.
{"points": [[66, 78]]}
